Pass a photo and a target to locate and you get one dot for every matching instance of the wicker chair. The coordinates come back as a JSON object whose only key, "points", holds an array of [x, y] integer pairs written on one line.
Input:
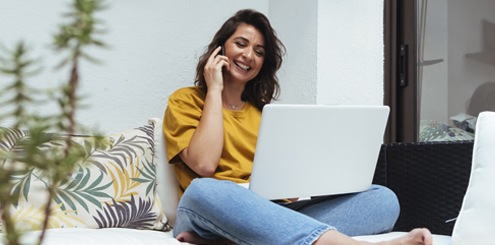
{"points": [[430, 180]]}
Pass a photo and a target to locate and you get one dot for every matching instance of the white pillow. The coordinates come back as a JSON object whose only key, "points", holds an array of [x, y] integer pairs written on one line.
{"points": [[476, 221], [167, 184]]}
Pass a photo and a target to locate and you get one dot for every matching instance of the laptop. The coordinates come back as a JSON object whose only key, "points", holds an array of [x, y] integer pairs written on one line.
{"points": [[316, 150]]}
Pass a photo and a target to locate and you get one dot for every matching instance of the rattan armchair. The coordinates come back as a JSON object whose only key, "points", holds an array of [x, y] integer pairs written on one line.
{"points": [[430, 180]]}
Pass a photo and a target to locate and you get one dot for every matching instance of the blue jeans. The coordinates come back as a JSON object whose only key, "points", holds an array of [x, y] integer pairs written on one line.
{"points": [[222, 209]]}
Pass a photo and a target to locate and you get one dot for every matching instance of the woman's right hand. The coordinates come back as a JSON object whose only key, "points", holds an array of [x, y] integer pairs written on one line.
{"points": [[205, 148], [213, 70]]}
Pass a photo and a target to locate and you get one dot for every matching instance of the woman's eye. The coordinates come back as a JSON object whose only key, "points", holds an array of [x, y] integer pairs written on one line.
{"points": [[240, 44], [260, 53]]}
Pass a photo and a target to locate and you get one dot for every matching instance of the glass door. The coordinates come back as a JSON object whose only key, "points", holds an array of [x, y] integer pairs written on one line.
{"points": [[455, 51]]}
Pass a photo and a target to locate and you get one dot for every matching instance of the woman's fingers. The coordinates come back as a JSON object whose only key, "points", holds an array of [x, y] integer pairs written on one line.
{"points": [[214, 54], [222, 61], [214, 58], [227, 64], [213, 69], [217, 50], [216, 64]]}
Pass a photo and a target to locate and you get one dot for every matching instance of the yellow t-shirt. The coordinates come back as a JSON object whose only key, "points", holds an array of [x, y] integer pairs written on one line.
{"points": [[185, 107]]}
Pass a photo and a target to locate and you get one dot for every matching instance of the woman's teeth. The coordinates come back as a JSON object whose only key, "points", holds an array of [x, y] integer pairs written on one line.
{"points": [[244, 67]]}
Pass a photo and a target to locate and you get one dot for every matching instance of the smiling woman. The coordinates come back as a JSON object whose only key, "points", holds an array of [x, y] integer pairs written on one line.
{"points": [[211, 131], [230, 93]]}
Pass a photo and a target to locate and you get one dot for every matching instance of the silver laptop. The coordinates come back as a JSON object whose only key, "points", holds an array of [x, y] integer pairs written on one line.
{"points": [[316, 150]]}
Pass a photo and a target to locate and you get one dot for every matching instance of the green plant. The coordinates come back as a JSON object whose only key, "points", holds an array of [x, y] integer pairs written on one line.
{"points": [[18, 97]]}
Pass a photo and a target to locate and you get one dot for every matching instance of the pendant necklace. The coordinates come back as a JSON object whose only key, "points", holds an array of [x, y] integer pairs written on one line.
{"points": [[233, 107]]}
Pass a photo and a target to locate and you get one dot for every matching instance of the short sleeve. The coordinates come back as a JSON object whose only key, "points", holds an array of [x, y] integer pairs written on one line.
{"points": [[181, 119]]}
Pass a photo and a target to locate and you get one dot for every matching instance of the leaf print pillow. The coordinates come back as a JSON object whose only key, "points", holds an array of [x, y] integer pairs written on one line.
{"points": [[437, 131], [114, 187]]}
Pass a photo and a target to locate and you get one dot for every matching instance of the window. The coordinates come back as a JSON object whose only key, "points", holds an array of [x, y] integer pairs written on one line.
{"points": [[439, 67]]}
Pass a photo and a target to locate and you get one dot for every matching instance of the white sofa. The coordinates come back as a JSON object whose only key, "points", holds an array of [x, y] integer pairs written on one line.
{"points": [[167, 187]]}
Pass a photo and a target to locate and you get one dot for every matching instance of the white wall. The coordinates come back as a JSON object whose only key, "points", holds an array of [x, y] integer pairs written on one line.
{"points": [[350, 52], [296, 23], [154, 47], [334, 51]]}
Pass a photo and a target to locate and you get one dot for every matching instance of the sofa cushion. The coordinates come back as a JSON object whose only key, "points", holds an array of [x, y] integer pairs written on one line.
{"points": [[124, 236], [84, 236], [113, 187], [475, 224], [437, 239], [167, 183]]}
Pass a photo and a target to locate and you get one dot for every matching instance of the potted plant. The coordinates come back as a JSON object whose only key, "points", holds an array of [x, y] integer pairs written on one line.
{"points": [[31, 130]]}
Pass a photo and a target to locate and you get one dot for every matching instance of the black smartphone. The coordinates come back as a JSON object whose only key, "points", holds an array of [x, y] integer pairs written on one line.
{"points": [[222, 51]]}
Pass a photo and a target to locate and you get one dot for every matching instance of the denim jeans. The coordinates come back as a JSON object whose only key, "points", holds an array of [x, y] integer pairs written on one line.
{"points": [[222, 209]]}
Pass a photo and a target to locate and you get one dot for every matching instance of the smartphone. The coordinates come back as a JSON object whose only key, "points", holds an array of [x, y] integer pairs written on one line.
{"points": [[222, 51]]}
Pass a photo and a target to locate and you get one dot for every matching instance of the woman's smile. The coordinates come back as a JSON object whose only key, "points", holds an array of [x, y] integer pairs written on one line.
{"points": [[242, 66]]}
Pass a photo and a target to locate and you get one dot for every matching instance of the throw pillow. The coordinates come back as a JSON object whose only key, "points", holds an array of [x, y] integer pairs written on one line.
{"points": [[168, 185], [114, 187], [475, 224], [437, 131]]}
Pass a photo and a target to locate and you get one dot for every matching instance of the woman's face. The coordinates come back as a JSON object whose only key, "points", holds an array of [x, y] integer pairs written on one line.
{"points": [[246, 53]]}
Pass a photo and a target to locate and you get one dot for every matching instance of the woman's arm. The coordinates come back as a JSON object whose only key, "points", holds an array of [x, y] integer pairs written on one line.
{"points": [[204, 151]]}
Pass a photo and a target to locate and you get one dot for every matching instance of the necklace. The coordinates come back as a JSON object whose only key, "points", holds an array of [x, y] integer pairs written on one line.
{"points": [[232, 106]]}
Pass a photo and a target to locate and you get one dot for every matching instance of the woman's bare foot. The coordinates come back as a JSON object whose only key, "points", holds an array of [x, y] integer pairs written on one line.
{"points": [[414, 237], [420, 236], [193, 237]]}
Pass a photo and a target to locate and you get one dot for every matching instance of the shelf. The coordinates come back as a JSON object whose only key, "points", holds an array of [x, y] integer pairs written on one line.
{"points": [[488, 57], [488, 53]]}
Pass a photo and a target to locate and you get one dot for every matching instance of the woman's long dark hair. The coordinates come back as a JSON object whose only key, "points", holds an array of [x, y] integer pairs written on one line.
{"points": [[264, 88]]}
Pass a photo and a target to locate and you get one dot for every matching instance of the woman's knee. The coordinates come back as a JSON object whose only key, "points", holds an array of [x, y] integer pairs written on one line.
{"points": [[199, 189], [194, 203], [387, 195], [206, 190], [387, 202]]}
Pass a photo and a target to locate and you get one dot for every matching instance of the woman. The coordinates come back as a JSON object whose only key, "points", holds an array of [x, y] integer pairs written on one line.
{"points": [[211, 131]]}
